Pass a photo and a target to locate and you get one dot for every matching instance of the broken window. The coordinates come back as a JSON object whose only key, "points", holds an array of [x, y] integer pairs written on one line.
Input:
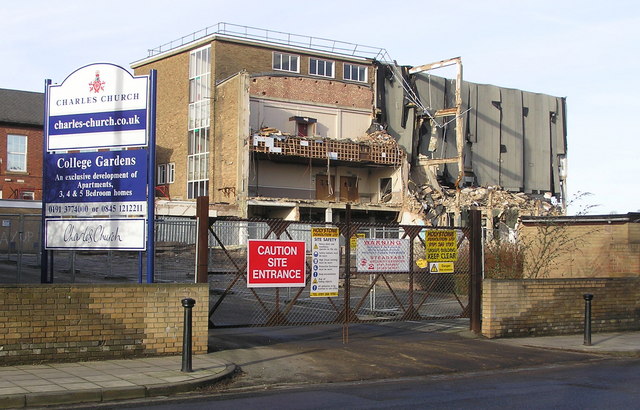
{"points": [[385, 189], [286, 62]]}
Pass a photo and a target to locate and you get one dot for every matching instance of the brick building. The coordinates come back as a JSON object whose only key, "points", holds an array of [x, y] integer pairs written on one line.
{"points": [[21, 117], [270, 124]]}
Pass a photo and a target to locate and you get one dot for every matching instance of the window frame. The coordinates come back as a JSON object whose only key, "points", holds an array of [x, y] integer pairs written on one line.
{"points": [[289, 56], [12, 154], [316, 65], [365, 71]]}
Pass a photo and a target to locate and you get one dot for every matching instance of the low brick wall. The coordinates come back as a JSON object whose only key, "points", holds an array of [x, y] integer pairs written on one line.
{"points": [[539, 307], [44, 323]]}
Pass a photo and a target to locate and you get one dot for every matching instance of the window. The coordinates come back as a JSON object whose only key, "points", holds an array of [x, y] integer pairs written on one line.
{"points": [[198, 132], [286, 62], [322, 68], [385, 189], [197, 163], [166, 173], [355, 73], [17, 153], [28, 195]]}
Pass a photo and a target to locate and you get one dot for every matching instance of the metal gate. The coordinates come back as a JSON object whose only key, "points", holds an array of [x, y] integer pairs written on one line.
{"points": [[421, 293]]}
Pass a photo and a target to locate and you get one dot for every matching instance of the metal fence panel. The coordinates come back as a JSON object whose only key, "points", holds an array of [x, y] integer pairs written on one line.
{"points": [[417, 294]]}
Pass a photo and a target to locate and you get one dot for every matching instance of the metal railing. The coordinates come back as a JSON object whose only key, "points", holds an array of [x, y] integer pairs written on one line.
{"points": [[274, 37]]}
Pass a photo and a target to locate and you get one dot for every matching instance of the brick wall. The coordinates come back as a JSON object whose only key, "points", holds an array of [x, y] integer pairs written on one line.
{"points": [[585, 250], [537, 307], [315, 90], [12, 183], [172, 117], [230, 133], [43, 323]]}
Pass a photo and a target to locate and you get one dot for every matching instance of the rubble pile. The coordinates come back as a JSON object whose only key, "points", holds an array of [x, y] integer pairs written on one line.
{"points": [[378, 137], [437, 201]]}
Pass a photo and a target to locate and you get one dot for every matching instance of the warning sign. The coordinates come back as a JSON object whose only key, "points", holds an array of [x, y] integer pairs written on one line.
{"points": [[441, 245], [441, 267], [383, 255], [325, 262], [275, 263], [354, 240]]}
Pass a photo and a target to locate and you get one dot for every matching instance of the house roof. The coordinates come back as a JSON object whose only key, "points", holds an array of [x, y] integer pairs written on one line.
{"points": [[21, 107]]}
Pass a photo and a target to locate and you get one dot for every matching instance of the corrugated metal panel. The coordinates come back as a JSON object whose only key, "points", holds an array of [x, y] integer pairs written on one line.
{"points": [[431, 90], [470, 102], [450, 171], [537, 148], [512, 140], [486, 152], [395, 105]]}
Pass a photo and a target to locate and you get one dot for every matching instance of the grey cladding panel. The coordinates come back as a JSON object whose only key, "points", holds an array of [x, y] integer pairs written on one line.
{"points": [[431, 91], [512, 140], [469, 103], [486, 151], [537, 143], [394, 106]]}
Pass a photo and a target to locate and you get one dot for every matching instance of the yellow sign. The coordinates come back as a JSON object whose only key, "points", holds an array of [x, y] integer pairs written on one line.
{"points": [[422, 263], [354, 240], [441, 267], [325, 232], [441, 245]]}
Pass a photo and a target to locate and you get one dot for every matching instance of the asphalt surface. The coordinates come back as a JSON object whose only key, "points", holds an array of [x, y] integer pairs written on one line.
{"points": [[243, 359]]}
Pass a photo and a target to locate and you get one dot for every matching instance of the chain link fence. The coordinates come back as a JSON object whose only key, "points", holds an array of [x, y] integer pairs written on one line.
{"points": [[420, 291], [417, 290], [20, 238]]}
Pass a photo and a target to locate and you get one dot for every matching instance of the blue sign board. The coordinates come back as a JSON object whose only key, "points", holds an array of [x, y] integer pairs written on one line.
{"points": [[83, 182]]}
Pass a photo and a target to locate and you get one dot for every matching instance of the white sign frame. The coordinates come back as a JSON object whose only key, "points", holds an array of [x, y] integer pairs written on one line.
{"points": [[107, 92], [126, 234]]}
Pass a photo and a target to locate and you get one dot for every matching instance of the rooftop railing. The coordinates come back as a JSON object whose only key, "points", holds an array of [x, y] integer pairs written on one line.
{"points": [[275, 37]]}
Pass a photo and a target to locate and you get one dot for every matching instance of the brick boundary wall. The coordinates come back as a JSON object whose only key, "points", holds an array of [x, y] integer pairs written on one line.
{"points": [[57, 323], [541, 307]]}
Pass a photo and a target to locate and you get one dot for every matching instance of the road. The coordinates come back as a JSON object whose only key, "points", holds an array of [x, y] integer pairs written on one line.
{"points": [[607, 384]]}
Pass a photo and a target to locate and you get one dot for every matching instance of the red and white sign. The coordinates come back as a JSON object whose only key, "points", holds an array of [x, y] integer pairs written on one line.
{"points": [[275, 264], [383, 255]]}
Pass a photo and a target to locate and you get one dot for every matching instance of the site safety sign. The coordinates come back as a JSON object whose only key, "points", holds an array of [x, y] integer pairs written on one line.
{"points": [[441, 245], [325, 262], [275, 263]]}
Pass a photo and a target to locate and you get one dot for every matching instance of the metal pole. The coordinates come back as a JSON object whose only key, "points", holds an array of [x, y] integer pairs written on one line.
{"points": [[151, 177], [475, 280], [188, 304], [347, 277], [44, 258], [202, 243], [587, 318]]}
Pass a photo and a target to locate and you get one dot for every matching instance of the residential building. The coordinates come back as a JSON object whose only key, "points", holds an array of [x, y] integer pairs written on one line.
{"points": [[21, 119], [271, 124]]}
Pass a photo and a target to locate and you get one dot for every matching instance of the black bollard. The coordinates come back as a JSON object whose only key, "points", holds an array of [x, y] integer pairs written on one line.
{"points": [[188, 304], [587, 318]]}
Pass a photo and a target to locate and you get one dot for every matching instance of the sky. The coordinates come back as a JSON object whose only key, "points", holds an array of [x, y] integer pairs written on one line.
{"points": [[586, 51]]}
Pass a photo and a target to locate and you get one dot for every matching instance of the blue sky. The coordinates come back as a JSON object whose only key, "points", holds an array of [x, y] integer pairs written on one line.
{"points": [[586, 51]]}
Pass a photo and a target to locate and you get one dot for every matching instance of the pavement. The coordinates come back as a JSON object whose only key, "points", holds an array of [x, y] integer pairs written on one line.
{"points": [[262, 358]]}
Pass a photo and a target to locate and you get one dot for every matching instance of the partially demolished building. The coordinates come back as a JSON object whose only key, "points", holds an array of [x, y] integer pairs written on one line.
{"points": [[270, 124]]}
